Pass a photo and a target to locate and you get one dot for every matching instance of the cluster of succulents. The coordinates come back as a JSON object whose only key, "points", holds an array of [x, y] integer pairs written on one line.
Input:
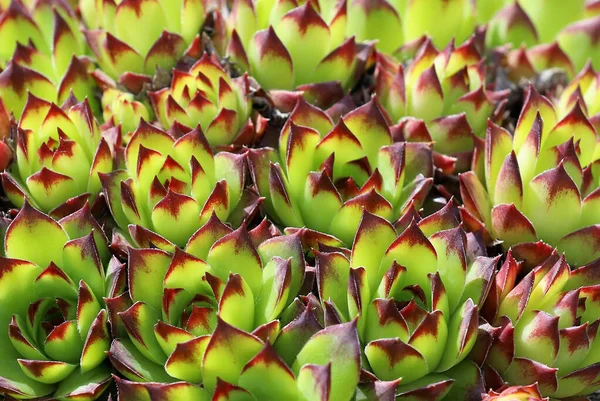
{"points": [[282, 200]]}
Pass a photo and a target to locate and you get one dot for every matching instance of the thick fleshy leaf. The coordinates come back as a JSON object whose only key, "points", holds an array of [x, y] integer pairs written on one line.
{"points": [[339, 346]]}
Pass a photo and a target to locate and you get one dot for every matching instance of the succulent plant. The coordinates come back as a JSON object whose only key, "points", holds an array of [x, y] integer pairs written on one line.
{"points": [[122, 109], [530, 22], [543, 327], [171, 186], [53, 322], [582, 89], [579, 41], [328, 365], [287, 47], [515, 393], [416, 296], [59, 154], [138, 36], [51, 27], [530, 63], [186, 311], [393, 23], [206, 96], [424, 18], [44, 60], [437, 84], [324, 175], [540, 185]]}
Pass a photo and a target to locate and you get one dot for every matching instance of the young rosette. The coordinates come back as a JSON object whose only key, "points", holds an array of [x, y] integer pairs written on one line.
{"points": [[544, 326], [51, 27], [59, 154], [53, 322], [515, 393], [324, 175], [44, 60], [138, 36], [540, 185], [289, 47], [206, 96], [437, 84], [416, 296], [172, 186], [122, 109]]}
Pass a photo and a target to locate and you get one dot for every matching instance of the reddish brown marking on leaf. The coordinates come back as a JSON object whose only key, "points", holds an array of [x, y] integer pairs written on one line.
{"points": [[396, 350], [200, 317], [413, 314], [37, 368], [268, 43], [347, 52], [127, 197]]}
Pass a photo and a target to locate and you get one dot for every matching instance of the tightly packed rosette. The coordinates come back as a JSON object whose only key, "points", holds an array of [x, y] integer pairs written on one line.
{"points": [[123, 109], [327, 367], [416, 296], [287, 47], [544, 327], [59, 154], [44, 60], [324, 175], [515, 393], [187, 312], [53, 322], [437, 84], [171, 186], [138, 36], [51, 27], [206, 96], [540, 185]]}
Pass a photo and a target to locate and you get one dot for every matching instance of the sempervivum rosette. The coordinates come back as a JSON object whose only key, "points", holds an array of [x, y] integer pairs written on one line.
{"points": [[515, 393], [416, 296], [50, 26], [122, 109], [49, 69], [327, 367], [59, 154], [171, 186], [538, 186], [182, 309], [138, 36], [206, 96], [287, 47], [53, 322], [323, 177], [437, 84], [544, 327]]}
